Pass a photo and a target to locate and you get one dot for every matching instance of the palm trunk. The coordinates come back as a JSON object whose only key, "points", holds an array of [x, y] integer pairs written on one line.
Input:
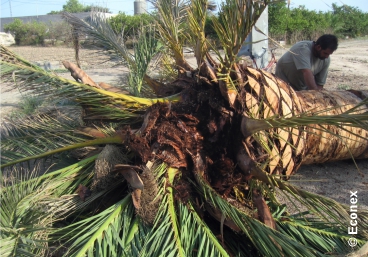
{"points": [[341, 142], [284, 150]]}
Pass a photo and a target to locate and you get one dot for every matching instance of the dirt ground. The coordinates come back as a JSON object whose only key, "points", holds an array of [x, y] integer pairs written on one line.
{"points": [[348, 70]]}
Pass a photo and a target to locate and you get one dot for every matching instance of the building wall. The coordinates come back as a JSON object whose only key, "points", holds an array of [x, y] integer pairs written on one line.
{"points": [[260, 40], [256, 44]]}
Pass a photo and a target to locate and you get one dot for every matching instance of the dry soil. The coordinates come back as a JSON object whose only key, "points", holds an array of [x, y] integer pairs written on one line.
{"points": [[349, 69]]}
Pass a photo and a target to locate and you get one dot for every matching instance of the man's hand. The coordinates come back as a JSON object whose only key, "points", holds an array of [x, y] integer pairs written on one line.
{"points": [[309, 80]]}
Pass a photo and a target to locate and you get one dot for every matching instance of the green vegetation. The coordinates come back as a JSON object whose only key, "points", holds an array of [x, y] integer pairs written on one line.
{"points": [[292, 25], [297, 24], [32, 33], [349, 21], [36, 33], [29, 104], [58, 33], [343, 87], [74, 6], [129, 25]]}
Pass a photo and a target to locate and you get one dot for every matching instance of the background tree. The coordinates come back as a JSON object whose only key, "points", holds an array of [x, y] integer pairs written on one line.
{"points": [[278, 17], [130, 24], [74, 6], [349, 21], [31, 33], [17, 29], [296, 24]]}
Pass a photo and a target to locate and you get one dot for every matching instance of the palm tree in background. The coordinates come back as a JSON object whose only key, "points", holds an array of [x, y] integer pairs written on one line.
{"points": [[189, 165]]}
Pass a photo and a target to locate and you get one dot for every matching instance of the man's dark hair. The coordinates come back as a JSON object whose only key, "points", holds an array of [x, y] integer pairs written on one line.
{"points": [[327, 41]]}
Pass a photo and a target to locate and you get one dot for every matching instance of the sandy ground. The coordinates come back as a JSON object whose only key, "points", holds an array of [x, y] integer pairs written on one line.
{"points": [[349, 69]]}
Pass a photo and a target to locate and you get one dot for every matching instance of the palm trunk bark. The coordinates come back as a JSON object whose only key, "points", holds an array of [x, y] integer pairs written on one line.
{"points": [[342, 142], [282, 151]]}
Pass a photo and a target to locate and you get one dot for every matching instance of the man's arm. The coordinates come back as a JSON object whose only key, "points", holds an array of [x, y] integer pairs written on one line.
{"points": [[309, 80]]}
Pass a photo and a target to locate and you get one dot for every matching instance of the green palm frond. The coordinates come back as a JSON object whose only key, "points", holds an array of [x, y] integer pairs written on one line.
{"points": [[146, 47], [98, 102], [264, 238], [31, 204], [51, 86], [179, 229], [322, 235], [327, 212], [197, 238], [100, 235], [43, 135], [197, 19], [170, 22], [115, 230], [33, 135], [117, 139], [232, 26], [101, 33], [27, 216], [238, 18], [304, 236], [324, 209], [35, 179], [356, 116], [165, 238]]}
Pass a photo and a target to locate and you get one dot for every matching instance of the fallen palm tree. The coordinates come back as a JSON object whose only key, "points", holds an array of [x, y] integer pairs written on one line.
{"points": [[192, 171]]}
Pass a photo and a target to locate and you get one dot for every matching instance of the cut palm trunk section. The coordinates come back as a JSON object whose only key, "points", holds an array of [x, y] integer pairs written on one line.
{"points": [[341, 142], [337, 131]]}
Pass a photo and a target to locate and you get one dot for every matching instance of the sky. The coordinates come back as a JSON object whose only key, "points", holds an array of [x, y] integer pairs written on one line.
{"points": [[18, 8]]}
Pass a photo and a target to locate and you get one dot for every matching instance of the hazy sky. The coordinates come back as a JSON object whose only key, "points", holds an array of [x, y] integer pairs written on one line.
{"points": [[17, 8]]}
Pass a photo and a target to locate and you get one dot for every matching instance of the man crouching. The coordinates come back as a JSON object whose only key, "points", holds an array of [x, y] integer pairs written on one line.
{"points": [[305, 66]]}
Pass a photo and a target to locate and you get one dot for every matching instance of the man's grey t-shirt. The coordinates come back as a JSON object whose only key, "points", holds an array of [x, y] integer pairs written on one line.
{"points": [[299, 57]]}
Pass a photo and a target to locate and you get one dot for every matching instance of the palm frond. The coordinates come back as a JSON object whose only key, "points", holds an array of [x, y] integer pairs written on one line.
{"points": [[43, 135], [234, 24], [324, 215], [99, 235], [33, 135], [98, 102], [170, 25], [190, 235], [115, 230], [101, 34], [27, 215], [355, 116], [34, 177], [197, 18], [146, 47], [196, 236], [107, 140], [305, 237], [48, 198], [321, 235]]}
